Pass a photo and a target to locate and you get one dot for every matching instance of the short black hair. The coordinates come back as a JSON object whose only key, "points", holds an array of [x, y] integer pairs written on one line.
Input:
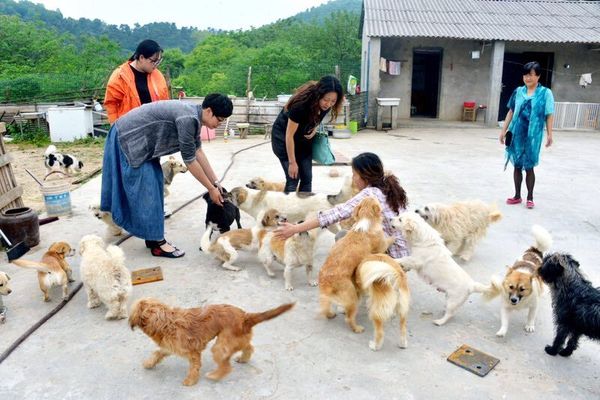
{"points": [[146, 48], [532, 65], [220, 104]]}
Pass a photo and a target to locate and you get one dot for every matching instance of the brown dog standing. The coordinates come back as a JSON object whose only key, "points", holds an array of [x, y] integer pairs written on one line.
{"points": [[53, 269]]}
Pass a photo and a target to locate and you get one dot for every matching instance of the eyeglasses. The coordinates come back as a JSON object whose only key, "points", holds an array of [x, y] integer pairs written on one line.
{"points": [[156, 61], [220, 119]]}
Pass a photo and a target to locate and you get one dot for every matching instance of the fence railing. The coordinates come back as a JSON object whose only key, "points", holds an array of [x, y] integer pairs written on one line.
{"points": [[584, 116]]}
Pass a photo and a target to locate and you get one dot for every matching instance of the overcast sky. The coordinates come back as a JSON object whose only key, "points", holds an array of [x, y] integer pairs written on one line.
{"points": [[222, 14]]}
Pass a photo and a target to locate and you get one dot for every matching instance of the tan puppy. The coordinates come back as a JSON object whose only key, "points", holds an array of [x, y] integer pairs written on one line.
{"points": [[259, 183], [522, 287], [384, 283], [226, 246], [461, 224], [53, 269], [106, 217], [296, 251], [186, 332], [335, 278], [170, 168], [4, 291]]}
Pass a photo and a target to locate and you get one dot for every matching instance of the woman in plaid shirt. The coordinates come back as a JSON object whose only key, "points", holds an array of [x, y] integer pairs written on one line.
{"points": [[367, 175]]}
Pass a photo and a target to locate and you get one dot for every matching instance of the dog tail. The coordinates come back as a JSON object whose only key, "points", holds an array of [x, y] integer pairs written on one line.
{"points": [[41, 267], [51, 149], [481, 288], [252, 319], [543, 239], [386, 287], [495, 289], [495, 215], [205, 241]]}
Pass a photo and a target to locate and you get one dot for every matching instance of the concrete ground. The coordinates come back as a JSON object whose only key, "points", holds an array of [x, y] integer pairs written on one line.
{"points": [[77, 354]]}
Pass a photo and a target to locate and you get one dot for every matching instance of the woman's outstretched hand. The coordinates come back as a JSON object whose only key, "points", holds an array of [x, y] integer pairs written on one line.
{"points": [[285, 230], [502, 136], [215, 196]]}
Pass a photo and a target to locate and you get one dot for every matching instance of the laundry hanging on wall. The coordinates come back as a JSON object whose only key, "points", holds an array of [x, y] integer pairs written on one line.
{"points": [[585, 79], [389, 66]]}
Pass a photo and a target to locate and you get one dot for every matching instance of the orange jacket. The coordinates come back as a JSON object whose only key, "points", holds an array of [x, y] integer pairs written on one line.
{"points": [[121, 93]]}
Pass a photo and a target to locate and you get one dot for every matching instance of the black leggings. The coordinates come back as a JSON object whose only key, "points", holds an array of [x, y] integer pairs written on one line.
{"points": [[529, 182], [304, 175]]}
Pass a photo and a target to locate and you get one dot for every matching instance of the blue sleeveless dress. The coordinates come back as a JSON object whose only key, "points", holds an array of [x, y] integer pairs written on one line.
{"points": [[527, 125]]}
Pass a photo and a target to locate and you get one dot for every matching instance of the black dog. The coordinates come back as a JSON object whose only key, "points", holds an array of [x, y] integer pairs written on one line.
{"points": [[576, 303], [224, 216]]}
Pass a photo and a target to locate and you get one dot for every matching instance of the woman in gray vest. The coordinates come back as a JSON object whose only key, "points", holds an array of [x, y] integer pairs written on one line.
{"points": [[132, 179]]}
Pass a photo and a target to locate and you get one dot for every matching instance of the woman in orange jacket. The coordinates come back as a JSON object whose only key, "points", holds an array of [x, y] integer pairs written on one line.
{"points": [[137, 81]]}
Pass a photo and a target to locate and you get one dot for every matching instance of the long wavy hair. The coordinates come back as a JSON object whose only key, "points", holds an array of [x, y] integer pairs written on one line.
{"points": [[370, 168], [309, 94]]}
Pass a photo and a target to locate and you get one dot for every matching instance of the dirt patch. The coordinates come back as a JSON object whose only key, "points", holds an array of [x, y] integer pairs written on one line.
{"points": [[32, 158]]}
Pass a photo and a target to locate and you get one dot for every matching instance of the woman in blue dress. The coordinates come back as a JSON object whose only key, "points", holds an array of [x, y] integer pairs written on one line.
{"points": [[530, 108]]}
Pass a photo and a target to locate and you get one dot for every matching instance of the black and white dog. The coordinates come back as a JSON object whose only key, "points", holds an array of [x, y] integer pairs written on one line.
{"points": [[575, 303], [224, 216], [56, 161]]}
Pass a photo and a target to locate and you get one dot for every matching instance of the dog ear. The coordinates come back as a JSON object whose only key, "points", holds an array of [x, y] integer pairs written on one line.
{"points": [[552, 268]]}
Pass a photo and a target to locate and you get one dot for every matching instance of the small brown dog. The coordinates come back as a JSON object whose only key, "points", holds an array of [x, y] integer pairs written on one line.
{"points": [[53, 269], [336, 282], [186, 332], [259, 183]]}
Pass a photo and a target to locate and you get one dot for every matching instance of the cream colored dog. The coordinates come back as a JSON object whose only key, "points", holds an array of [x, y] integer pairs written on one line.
{"points": [[170, 168], [461, 224], [106, 217], [4, 291], [295, 206], [296, 251], [226, 246], [104, 276], [434, 263]]}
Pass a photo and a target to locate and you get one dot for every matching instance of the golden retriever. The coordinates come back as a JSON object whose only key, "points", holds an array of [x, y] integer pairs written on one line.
{"points": [[384, 283], [226, 246], [522, 287], [53, 269], [259, 183], [461, 224], [336, 282], [186, 332]]}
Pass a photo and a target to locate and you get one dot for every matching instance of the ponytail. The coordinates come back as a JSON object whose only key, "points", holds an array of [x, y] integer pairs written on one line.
{"points": [[394, 193]]}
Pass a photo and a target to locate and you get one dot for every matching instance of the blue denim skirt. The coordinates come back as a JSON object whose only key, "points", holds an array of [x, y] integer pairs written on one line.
{"points": [[134, 196]]}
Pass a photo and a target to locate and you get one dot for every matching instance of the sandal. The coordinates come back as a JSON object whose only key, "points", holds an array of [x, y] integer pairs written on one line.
{"points": [[514, 200], [530, 204], [157, 251]]}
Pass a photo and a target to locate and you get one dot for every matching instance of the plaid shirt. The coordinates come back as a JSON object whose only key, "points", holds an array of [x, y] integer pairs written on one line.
{"points": [[343, 211]]}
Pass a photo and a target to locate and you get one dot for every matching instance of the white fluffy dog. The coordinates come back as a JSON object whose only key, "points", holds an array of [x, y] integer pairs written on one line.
{"points": [[104, 276], [434, 263], [461, 224]]}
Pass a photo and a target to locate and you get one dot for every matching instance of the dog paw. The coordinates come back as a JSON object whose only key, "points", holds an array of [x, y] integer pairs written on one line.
{"points": [[403, 344], [190, 381], [529, 328], [565, 352], [465, 257], [313, 283], [289, 288], [551, 350], [148, 364], [213, 376], [373, 346], [439, 322], [330, 315], [93, 304], [501, 333], [358, 329]]}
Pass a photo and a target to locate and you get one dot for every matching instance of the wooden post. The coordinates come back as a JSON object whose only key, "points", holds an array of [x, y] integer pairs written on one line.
{"points": [[10, 192], [248, 93]]}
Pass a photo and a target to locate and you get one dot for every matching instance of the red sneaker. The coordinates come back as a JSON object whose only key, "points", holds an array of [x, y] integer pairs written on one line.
{"points": [[530, 204], [514, 200]]}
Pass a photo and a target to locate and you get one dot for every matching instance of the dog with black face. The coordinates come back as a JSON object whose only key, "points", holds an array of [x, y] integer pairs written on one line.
{"points": [[224, 216], [575, 303]]}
